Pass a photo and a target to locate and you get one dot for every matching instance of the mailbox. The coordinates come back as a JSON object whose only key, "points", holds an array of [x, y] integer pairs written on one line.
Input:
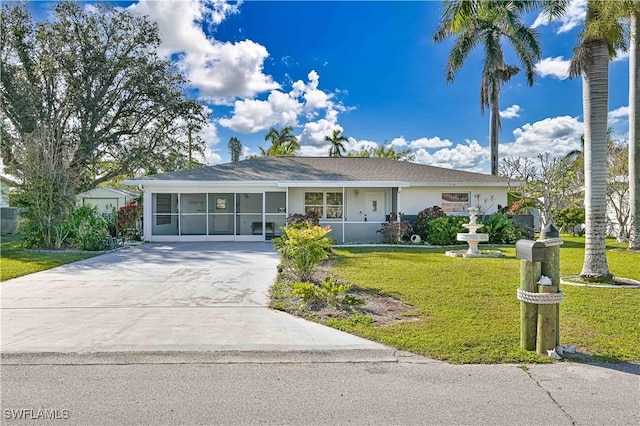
{"points": [[533, 251]]}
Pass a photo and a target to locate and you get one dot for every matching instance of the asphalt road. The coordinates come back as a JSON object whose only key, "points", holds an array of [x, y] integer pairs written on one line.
{"points": [[320, 393]]}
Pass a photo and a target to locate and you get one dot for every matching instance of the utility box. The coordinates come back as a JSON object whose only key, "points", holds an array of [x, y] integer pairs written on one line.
{"points": [[532, 251]]}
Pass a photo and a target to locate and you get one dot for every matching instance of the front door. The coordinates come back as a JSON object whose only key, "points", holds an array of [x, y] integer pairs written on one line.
{"points": [[374, 207]]}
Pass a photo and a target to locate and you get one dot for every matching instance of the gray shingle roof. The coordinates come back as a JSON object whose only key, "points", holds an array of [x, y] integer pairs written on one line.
{"points": [[345, 169]]}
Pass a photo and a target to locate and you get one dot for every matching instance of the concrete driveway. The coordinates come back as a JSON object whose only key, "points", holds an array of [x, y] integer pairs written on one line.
{"points": [[160, 297]]}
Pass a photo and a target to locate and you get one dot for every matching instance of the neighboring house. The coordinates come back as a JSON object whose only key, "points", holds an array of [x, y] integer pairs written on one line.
{"points": [[6, 186], [8, 215], [108, 200], [251, 199]]}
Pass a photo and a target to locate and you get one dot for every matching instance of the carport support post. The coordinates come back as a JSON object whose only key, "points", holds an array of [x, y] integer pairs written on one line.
{"points": [[549, 315], [529, 276]]}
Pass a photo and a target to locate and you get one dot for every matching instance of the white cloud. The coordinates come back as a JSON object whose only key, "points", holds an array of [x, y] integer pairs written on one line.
{"points": [[618, 115], [575, 15], [314, 132], [428, 143], [209, 158], [284, 109], [470, 156], [221, 71], [251, 115], [557, 135], [556, 67], [511, 112]]}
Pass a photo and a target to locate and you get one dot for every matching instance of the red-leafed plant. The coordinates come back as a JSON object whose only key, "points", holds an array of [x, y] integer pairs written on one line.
{"points": [[128, 217]]}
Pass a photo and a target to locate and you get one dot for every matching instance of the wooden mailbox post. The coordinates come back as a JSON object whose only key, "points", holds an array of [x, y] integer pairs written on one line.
{"points": [[539, 298]]}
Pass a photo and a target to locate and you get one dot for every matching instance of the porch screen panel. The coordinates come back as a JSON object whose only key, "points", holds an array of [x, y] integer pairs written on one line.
{"points": [[275, 213], [221, 208], [165, 214], [249, 214], [193, 214]]}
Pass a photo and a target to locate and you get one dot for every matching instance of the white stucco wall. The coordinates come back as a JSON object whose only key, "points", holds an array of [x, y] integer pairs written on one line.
{"points": [[414, 199]]}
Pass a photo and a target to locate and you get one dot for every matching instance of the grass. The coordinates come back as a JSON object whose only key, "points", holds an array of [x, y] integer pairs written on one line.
{"points": [[469, 312], [16, 262]]}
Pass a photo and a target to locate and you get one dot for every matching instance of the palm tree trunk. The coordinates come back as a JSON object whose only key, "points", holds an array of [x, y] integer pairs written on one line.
{"points": [[595, 97], [494, 134], [634, 133]]}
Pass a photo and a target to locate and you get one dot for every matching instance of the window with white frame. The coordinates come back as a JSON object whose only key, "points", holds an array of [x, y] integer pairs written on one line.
{"points": [[455, 202], [334, 205], [324, 205]]}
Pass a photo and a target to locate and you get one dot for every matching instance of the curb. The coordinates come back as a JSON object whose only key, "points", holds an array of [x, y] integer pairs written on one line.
{"points": [[216, 357]]}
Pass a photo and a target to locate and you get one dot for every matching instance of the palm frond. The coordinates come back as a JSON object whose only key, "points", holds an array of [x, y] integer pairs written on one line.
{"points": [[582, 58], [461, 49]]}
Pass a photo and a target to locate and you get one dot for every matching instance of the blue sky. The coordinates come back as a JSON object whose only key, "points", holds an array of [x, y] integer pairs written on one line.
{"points": [[370, 69]]}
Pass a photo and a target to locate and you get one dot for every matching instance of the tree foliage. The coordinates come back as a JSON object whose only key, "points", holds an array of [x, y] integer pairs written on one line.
{"points": [[283, 143], [551, 183], [91, 79], [384, 151], [487, 23], [336, 141], [618, 195], [235, 149]]}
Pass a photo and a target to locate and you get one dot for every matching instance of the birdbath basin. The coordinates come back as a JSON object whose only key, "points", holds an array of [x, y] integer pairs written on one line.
{"points": [[473, 239]]}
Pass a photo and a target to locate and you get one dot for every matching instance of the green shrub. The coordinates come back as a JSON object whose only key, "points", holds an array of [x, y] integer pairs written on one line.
{"points": [[309, 293], [352, 300], [443, 231], [569, 218], [302, 249], [503, 230], [331, 288], [424, 217], [326, 294], [88, 228], [497, 226]]}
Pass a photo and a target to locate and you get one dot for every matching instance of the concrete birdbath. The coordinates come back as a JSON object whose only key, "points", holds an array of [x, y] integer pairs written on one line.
{"points": [[473, 238]]}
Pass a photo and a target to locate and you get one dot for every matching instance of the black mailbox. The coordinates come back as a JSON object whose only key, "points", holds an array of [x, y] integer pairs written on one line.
{"points": [[533, 251]]}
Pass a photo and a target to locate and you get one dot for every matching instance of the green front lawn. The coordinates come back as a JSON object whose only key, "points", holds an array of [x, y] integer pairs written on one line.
{"points": [[16, 262], [469, 310]]}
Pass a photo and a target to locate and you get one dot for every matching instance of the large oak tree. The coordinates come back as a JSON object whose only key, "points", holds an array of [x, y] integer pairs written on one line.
{"points": [[90, 78]]}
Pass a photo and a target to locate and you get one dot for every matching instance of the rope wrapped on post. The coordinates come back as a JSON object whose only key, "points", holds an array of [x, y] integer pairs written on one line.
{"points": [[540, 298]]}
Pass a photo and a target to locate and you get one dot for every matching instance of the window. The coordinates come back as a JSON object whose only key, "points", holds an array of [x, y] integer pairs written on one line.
{"points": [[314, 204], [455, 202], [319, 203], [334, 205]]}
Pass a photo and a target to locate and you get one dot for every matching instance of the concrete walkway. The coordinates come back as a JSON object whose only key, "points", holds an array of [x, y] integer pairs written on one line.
{"points": [[157, 298]]}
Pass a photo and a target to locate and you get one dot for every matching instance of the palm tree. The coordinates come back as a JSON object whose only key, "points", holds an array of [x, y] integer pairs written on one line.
{"points": [[631, 9], [235, 149], [336, 140], [283, 143], [602, 34], [486, 23]]}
